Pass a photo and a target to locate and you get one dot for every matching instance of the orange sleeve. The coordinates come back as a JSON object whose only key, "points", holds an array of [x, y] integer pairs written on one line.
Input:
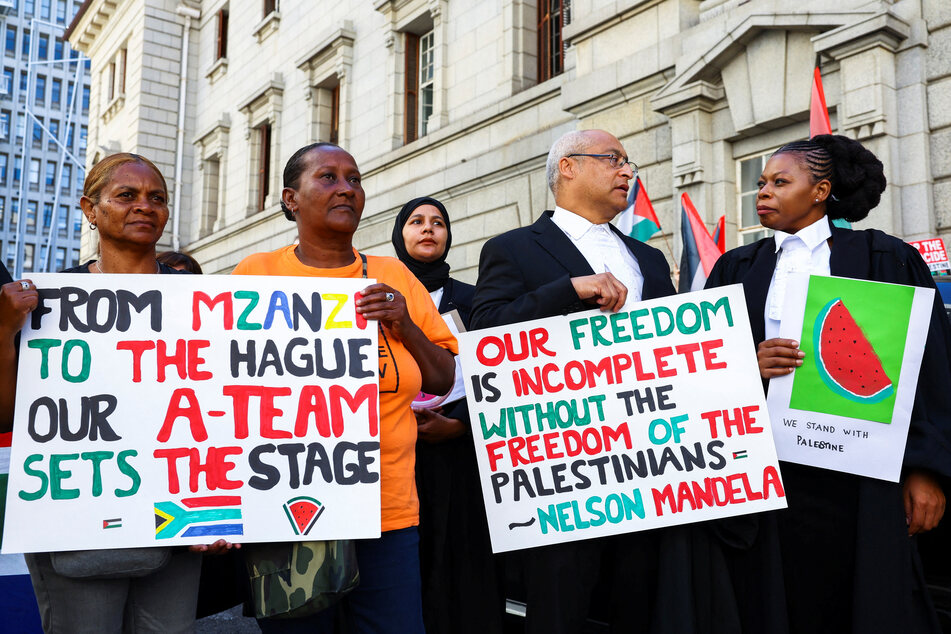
{"points": [[425, 315], [254, 264]]}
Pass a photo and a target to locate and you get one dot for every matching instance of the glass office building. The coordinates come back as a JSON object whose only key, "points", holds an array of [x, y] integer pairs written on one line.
{"points": [[44, 107]]}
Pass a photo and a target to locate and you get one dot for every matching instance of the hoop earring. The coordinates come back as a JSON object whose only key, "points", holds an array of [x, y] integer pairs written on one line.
{"points": [[92, 226]]}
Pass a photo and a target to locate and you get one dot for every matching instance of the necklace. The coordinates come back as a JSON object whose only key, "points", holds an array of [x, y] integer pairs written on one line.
{"points": [[158, 267]]}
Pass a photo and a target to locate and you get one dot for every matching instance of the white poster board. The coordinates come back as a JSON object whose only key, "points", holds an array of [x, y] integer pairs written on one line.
{"points": [[180, 409], [840, 414], [595, 424]]}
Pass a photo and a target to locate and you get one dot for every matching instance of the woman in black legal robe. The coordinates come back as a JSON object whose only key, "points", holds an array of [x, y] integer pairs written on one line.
{"points": [[461, 591], [843, 556]]}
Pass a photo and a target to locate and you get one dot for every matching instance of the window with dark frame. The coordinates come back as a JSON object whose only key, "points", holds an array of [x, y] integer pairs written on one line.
{"points": [[53, 126], [551, 54], [411, 89], [62, 220], [264, 163], [335, 114], [111, 81], [120, 69], [31, 215], [221, 47], [426, 80]]}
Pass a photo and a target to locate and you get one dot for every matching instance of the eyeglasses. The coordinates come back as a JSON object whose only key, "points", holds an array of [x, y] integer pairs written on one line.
{"points": [[615, 161]]}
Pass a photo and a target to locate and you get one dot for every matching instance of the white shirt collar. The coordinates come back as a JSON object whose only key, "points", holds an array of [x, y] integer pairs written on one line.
{"points": [[571, 223], [812, 236]]}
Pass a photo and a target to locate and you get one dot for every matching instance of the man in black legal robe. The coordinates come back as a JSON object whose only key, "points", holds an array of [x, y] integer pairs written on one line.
{"points": [[571, 259]]}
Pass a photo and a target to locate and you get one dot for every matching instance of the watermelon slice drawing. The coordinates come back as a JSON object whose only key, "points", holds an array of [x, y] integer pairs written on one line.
{"points": [[846, 360], [303, 512]]}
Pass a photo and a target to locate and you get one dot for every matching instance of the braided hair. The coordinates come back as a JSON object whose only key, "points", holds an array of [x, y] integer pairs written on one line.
{"points": [[856, 176], [296, 166]]}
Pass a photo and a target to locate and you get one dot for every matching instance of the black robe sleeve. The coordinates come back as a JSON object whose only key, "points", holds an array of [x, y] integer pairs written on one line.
{"points": [[503, 297], [929, 436]]}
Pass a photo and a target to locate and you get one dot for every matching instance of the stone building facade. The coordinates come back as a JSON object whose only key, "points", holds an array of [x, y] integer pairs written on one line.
{"points": [[461, 99]]}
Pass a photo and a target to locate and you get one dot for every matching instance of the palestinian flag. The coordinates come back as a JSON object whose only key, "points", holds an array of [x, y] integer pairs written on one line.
{"points": [[18, 611], [700, 252], [719, 234], [639, 220]]}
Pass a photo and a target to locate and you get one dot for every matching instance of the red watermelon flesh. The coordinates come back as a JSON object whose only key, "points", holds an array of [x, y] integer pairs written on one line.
{"points": [[303, 513], [846, 360]]}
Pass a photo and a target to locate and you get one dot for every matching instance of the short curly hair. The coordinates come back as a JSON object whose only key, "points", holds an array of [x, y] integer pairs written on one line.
{"points": [[856, 176]]}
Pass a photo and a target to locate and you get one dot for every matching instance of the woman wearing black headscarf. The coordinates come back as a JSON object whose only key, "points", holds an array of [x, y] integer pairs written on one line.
{"points": [[461, 589]]}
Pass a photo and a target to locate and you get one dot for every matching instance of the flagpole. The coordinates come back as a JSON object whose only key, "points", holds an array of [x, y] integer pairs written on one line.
{"points": [[672, 258]]}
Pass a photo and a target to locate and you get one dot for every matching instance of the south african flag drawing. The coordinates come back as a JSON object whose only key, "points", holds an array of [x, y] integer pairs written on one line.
{"points": [[209, 516]]}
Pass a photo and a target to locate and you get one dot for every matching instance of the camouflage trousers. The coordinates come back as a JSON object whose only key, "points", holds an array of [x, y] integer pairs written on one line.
{"points": [[301, 578]]}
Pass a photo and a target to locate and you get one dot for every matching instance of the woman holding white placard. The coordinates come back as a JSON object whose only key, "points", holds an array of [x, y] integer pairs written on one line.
{"points": [[460, 576], [842, 557], [324, 196], [127, 589]]}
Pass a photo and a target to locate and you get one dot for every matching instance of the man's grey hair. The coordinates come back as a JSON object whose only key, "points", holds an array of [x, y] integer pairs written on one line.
{"points": [[573, 142]]}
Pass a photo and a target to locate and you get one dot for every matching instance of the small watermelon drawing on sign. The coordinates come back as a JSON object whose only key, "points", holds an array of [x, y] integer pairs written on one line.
{"points": [[303, 512], [846, 360]]}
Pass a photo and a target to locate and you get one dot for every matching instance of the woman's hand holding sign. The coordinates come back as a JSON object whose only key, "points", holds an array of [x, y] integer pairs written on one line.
{"points": [[220, 547], [433, 427], [924, 501], [17, 299], [778, 357]]}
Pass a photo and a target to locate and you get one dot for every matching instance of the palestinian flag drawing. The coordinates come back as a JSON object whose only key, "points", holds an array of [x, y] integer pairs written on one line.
{"points": [[209, 516]]}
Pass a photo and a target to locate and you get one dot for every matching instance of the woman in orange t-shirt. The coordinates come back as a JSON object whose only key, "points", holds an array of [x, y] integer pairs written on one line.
{"points": [[323, 195]]}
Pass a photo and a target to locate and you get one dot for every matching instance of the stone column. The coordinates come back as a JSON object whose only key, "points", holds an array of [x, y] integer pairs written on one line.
{"points": [[869, 112]]}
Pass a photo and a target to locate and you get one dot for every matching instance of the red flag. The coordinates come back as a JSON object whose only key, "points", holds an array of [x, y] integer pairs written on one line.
{"points": [[719, 234], [818, 113]]}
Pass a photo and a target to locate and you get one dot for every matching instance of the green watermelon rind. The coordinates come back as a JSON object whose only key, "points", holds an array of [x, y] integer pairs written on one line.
{"points": [[831, 383], [287, 509]]}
